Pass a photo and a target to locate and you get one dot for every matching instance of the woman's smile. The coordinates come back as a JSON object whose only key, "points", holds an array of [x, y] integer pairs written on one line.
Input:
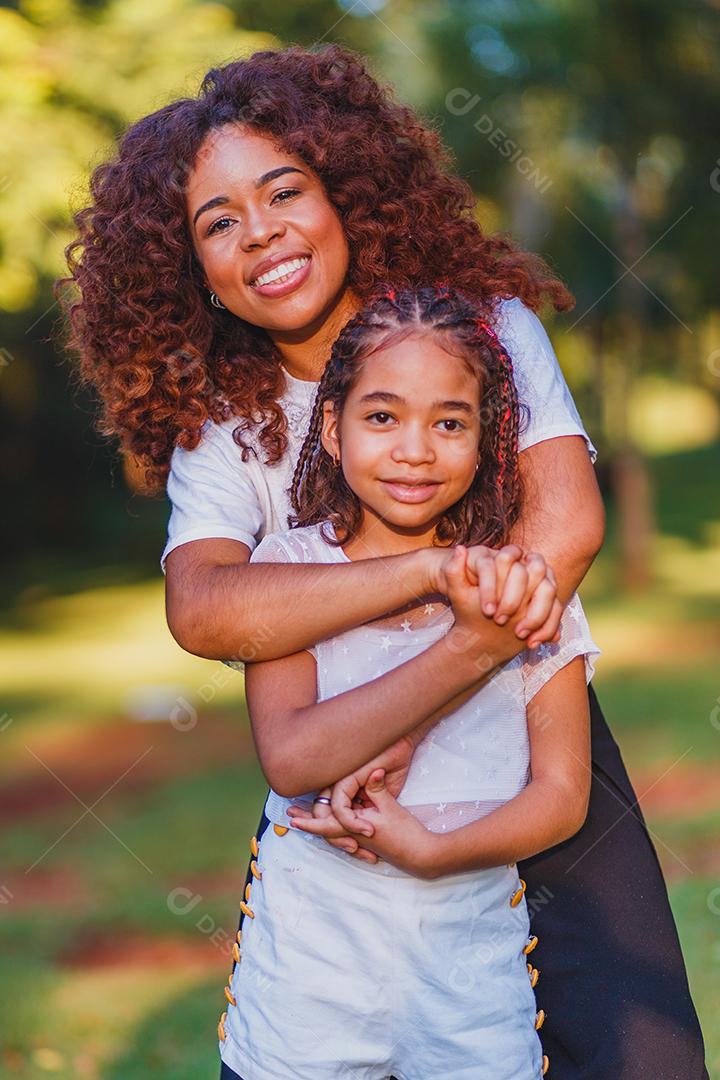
{"points": [[270, 242], [280, 274]]}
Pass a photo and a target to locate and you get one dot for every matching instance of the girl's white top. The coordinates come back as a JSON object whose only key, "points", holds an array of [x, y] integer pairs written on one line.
{"points": [[214, 493], [478, 757]]}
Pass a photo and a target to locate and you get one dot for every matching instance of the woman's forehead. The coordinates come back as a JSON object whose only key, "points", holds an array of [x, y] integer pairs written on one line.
{"points": [[235, 154]]}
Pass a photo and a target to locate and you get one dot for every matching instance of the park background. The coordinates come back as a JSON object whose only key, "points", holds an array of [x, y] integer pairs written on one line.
{"points": [[128, 786]]}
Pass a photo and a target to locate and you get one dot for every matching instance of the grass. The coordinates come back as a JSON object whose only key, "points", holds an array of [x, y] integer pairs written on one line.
{"points": [[102, 973]]}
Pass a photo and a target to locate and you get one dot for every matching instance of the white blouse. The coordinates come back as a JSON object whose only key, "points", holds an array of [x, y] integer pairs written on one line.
{"points": [[476, 758], [214, 493]]}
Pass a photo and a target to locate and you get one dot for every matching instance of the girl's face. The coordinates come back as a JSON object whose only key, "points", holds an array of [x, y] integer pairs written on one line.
{"points": [[407, 439], [270, 242]]}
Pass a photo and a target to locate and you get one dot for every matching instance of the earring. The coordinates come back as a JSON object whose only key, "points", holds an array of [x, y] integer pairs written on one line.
{"points": [[477, 466], [216, 301]]}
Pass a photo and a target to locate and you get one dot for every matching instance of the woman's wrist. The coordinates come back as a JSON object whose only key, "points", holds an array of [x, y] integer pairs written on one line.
{"points": [[427, 564]]}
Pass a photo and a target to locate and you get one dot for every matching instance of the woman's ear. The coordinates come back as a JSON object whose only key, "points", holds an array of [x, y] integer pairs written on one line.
{"points": [[329, 435]]}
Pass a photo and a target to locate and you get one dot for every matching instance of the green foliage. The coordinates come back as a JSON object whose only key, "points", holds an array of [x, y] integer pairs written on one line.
{"points": [[71, 78], [614, 106]]}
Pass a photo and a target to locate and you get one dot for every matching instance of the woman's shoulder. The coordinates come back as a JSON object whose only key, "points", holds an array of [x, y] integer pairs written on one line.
{"points": [[518, 327], [216, 442], [305, 544]]}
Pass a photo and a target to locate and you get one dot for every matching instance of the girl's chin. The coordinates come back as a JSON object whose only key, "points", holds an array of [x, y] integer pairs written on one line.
{"points": [[408, 519]]}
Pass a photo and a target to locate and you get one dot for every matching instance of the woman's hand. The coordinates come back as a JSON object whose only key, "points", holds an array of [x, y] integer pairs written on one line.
{"points": [[503, 584], [384, 828]]}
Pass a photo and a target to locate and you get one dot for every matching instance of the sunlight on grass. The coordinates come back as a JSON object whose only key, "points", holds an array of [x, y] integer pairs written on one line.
{"points": [[89, 1019], [99, 642], [101, 655]]}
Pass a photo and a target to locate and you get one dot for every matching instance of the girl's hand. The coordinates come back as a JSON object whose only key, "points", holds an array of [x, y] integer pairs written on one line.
{"points": [[393, 833], [395, 762], [385, 829], [323, 822]]}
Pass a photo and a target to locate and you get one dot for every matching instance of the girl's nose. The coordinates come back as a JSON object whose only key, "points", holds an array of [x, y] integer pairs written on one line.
{"points": [[413, 448]]}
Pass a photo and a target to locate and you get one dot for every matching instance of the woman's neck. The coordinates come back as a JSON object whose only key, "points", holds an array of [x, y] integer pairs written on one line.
{"points": [[305, 352]]}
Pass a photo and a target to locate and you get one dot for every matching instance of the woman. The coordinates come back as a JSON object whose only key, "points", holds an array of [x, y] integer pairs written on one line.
{"points": [[228, 243]]}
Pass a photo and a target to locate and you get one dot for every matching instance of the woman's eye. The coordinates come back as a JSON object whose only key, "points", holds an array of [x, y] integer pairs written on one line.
{"points": [[284, 195], [458, 424], [381, 417], [215, 227]]}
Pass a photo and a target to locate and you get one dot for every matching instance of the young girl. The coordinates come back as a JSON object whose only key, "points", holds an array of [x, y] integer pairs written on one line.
{"points": [[412, 959]]}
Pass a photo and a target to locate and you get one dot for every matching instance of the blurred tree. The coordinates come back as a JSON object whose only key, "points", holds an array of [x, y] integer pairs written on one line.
{"points": [[71, 77], [593, 126], [588, 129]]}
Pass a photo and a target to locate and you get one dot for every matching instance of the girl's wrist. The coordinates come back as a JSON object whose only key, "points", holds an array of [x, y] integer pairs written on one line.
{"points": [[431, 863]]}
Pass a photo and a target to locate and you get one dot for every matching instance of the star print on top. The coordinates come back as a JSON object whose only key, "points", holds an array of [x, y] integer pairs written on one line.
{"points": [[477, 757]]}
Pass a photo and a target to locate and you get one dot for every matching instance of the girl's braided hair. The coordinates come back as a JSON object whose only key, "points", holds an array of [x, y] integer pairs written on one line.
{"points": [[491, 505]]}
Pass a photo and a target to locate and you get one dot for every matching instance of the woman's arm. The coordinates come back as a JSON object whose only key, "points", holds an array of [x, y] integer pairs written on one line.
{"points": [[220, 607], [563, 515], [360, 590]]}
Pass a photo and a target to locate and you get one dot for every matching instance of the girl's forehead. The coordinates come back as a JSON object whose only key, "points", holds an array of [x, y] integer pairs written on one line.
{"points": [[421, 366]]}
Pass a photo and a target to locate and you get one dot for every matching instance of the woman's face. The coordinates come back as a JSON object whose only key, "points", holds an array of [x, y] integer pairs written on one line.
{"points": [[270, 242], [407, 437]]}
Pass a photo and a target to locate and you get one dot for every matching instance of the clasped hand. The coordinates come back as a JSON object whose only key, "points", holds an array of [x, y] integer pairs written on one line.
{"points": [[505, 585]]}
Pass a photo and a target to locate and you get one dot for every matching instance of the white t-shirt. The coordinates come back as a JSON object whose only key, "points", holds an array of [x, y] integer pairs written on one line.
{"points": [[215, 494], [477, 757]]}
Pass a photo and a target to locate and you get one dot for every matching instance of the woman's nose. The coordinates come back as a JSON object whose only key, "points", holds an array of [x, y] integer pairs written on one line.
{"points": [[259, 229]]}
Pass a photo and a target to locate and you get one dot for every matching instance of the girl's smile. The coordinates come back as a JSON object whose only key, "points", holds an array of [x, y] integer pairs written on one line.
{"points": [[410, 491], [407, 439]]}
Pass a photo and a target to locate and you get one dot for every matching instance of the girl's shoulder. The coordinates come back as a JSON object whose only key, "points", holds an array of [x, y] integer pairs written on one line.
{"points": [[302, 545]]}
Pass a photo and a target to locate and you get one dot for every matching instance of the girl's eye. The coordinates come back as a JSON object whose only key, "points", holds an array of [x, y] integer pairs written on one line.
{"points": [[284, 195], [384, 415], [458, 424], [215, 227]]}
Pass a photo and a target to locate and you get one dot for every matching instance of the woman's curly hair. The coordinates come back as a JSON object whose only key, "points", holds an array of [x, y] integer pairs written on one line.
{"points": [[491, 505], [162, 359]]}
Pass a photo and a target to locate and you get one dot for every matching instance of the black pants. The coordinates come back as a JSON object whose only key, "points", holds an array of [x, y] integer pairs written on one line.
{"points": [[612, 976]]}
